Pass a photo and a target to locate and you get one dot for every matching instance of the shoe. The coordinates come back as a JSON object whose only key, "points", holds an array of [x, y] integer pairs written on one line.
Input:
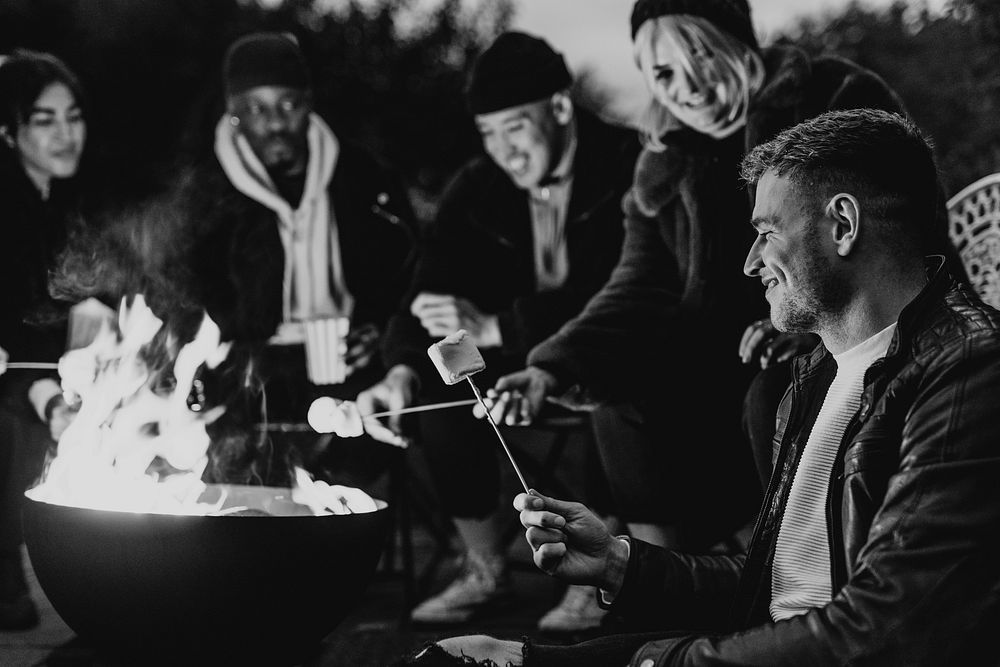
{"points": [[482, 583], [577, 611]]}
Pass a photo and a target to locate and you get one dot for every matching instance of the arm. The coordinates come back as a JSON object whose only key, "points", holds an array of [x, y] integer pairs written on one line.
{"points": [[625, 324], [652, 588], [919, 591]]}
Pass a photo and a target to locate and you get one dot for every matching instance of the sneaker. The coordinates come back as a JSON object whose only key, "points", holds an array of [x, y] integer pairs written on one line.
{"points": [[481, 584], [577, 611]]}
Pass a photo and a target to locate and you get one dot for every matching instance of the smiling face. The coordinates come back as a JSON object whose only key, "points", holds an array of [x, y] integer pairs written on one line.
{"points": [[274, 120], [50, 140], [678, 80], [794, 257], [700, 75], [526, 141]]}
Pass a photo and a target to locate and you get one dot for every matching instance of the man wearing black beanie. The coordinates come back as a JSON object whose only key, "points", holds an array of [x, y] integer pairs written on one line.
{"points": [[296, 225], [525, 234]]}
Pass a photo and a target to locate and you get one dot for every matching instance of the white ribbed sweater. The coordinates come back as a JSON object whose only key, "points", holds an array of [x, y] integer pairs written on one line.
{"points": [[800, 578]]}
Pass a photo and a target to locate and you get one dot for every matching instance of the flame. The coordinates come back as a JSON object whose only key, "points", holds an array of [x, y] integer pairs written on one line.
{"points": [[127, 426]]}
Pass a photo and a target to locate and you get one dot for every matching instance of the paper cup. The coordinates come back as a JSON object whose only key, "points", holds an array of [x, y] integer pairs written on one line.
{"points": [[326, 345]]}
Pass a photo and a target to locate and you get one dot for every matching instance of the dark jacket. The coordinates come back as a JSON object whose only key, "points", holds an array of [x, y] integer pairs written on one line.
{"points": [[239, 259], [32, 323], [480, 247], [913, 510], [678, 302]]}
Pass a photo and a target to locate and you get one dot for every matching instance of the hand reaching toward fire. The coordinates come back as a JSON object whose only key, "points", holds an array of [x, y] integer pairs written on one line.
{"points": [[396, 391]]}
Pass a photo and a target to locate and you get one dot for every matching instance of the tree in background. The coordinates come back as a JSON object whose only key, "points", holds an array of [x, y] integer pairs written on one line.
{"points": [[946, 68], [388, 73]]}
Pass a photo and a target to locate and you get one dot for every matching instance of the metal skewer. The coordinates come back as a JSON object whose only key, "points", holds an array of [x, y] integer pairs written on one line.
{"points": [[287, 427], [33, 365], [479, 397], [422, 408]]}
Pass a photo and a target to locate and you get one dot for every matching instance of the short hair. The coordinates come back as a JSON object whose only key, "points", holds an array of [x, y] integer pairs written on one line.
{"points": [[880, 157], [24, 75]]}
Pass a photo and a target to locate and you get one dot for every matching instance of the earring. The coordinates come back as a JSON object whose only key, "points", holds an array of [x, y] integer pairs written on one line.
{"points": [[234, 121]]}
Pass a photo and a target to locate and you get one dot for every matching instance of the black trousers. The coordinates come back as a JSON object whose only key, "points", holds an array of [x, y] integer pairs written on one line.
{"points": [[24, 444]]}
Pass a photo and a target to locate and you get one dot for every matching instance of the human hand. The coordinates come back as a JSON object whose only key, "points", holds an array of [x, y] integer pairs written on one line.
{"points": [[517, 398], [444, 314], [395, 392], [59, 415], [570, 542], [362, 346], [765, 344]]}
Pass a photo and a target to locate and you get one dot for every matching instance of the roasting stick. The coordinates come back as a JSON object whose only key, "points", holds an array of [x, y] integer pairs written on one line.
{"points": [[286, 427], [479, 397], [457, 358], [421, 408], [34, 365]]}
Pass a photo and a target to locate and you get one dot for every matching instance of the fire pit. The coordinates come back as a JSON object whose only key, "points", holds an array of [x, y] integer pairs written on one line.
{"points": [[261, 582]]}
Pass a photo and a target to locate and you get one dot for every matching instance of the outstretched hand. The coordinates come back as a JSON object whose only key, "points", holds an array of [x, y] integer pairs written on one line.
{"points": [[517, 398], [570, 542], [396, 391]]}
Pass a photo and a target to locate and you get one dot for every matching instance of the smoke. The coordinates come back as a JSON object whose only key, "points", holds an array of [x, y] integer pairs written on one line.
{"points": [[155, 248]]}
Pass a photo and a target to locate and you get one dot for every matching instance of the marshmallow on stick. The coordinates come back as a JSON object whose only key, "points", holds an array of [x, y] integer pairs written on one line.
{"points": [[457, 358]]}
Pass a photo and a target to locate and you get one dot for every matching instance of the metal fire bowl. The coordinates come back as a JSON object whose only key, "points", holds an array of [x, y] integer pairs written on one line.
{"points": [[237, 589]]}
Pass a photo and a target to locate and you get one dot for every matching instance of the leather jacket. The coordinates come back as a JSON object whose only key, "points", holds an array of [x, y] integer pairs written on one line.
{"points": [[913, 511]]}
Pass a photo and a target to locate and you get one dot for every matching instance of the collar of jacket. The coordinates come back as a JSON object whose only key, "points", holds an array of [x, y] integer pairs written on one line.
{"points": [[910, 318], [659, 174], [787, 71]]}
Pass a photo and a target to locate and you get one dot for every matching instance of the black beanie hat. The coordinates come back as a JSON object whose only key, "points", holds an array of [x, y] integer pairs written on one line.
{"points": [[516, 69], [264, 59], [733, 16]]}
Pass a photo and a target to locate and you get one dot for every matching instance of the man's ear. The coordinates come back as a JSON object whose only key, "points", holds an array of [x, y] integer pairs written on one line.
{"points": [[562, 107], [844, 212]]}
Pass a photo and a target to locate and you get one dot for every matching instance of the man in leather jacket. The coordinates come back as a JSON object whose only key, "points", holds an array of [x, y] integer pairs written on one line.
{"points": [[877, 542]]}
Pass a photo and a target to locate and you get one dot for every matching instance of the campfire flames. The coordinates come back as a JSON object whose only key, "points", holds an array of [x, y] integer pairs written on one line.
{"points": [[135, 445]]}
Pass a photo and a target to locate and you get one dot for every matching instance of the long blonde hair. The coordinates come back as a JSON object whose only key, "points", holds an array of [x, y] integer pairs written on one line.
{"points": [[712, 56]]}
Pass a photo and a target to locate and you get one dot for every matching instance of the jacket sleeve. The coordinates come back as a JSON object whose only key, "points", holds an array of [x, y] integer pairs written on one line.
{"points": [[666, 589], [923, 589], [624, 325], [535, 316]]}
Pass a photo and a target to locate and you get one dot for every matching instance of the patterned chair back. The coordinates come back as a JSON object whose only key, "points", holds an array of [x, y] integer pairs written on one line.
{"points": [[974, 226]]}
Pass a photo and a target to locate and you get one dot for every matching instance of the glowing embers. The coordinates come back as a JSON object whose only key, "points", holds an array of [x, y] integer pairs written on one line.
{"points": [[135, 445]]}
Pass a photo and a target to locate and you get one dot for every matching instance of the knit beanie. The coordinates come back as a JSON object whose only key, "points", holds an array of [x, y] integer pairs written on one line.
{"points": [[733, 16], [264, 59], [516, 69]]}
